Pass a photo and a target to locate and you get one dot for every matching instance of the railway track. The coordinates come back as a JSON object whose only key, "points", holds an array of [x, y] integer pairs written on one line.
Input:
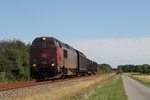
{"points": [[9, 86]]}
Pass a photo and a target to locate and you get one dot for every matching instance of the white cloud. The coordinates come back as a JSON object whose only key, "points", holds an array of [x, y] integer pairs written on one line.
{"points": [[26, 42], [116, 51]]}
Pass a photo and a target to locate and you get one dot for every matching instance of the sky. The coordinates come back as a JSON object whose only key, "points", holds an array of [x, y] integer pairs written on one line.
{"points": [[107, 31]]}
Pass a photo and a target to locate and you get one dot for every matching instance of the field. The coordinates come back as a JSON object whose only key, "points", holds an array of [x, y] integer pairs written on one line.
{"points": [[142, 78], [112, 90], [79, 91]]}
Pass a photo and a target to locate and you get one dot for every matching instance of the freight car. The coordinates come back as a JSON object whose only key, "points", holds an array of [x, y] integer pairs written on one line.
{"points": [[91, 67], [82, 65], [50, 58]]}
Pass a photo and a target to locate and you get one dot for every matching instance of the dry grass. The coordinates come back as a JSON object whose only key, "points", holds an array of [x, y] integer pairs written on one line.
{"points": [[142, 78], [71, 92]]}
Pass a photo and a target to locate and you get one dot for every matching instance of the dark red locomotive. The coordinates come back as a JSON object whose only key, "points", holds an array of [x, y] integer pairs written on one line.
{"points": [[51, 58]]}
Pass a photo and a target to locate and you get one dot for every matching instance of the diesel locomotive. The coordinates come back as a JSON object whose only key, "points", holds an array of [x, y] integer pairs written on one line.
{"points": [[51, 58]]}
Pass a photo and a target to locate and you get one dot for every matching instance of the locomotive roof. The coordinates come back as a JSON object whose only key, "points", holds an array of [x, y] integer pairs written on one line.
{"points": [[52, 38], [47, 38]]}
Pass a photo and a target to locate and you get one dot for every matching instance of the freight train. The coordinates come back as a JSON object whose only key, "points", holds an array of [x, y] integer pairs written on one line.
{"points": [[51, 58]]}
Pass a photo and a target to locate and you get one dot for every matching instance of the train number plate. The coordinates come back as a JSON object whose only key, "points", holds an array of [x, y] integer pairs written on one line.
{"points": [[43, 55]]}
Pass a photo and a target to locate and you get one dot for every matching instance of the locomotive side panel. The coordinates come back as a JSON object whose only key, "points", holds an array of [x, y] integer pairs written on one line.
{"points": [[70, 59]]}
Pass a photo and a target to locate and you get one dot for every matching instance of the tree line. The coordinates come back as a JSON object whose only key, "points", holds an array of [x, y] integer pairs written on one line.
{"points": [[145, 68], [14, 61], [104, 68]]}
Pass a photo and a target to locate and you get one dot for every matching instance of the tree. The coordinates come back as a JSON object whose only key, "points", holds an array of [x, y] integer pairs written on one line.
{"points": [[14, 60], [103, 68], [145, 68], [119, 69]]}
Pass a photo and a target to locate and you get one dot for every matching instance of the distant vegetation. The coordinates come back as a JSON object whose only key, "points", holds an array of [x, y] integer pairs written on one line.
{"points": [[14, 61], [104, 68], [145, 68]]}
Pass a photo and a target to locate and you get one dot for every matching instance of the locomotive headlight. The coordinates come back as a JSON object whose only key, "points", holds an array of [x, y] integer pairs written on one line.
{"points": [[53, 65], [43, 38], [34, 65]]}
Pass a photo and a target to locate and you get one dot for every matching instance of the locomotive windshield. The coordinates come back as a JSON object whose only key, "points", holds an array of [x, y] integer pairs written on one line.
{"points": [[45, 43]]}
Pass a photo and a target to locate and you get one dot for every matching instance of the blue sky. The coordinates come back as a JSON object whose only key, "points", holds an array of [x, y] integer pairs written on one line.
{"points": [[75, 20]]}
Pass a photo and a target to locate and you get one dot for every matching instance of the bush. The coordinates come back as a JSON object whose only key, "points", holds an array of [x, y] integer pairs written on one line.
{"points": [[14, 61]]}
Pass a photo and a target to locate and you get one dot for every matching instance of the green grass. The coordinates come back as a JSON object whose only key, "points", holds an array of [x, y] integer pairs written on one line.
{"points": [[145, 83], [111, 90]]}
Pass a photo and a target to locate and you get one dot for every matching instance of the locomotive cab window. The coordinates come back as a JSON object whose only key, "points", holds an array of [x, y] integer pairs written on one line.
{"points": [[36, 43], [65, 54], [39, 44], [44, 43], [50, 44]]}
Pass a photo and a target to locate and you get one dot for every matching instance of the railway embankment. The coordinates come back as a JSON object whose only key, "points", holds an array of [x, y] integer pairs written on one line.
{"points": [[76, 89]]}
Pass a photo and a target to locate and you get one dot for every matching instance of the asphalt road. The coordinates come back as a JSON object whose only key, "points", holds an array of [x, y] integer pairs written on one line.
{"points": [[134, 90]]}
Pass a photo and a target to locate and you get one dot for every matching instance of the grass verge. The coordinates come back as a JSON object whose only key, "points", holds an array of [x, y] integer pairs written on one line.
{"points": [[141, 78], [112, 90]]}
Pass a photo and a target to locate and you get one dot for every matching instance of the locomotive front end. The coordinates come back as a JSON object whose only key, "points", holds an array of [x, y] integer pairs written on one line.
{"points": [[45, 58]]}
